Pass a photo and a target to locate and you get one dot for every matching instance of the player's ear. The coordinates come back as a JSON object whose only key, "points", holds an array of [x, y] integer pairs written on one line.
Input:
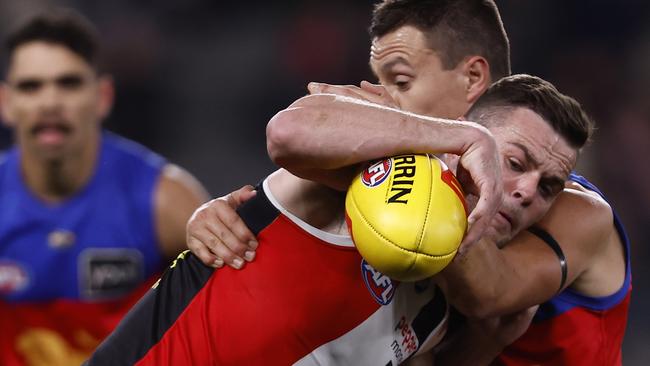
{"points": [[5, 112], [477, 74], [106, 95]]}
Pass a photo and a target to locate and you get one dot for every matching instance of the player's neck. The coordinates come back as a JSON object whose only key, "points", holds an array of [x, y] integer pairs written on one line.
{"points": [[54, 180], [337, 227], [315, 204]]}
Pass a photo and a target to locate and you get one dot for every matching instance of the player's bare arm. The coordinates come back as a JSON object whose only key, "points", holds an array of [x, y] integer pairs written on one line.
{"points": [[177, 195], [324, 131], [327, 132], [527, 271], [604, 270], [218, 236], [323, 137]]}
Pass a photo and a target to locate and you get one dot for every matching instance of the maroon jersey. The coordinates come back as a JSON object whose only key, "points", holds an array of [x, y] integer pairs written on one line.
{"points": [[574, 329]]}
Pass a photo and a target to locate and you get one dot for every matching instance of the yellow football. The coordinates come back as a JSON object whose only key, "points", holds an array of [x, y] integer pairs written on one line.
{"points": [[407, 216]]}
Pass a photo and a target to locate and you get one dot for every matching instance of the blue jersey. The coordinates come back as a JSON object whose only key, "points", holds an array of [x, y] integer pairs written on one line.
{"points": [[98, 244]]}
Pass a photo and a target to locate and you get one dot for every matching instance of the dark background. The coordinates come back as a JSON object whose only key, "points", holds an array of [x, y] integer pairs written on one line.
{"points": [[198, 80]]}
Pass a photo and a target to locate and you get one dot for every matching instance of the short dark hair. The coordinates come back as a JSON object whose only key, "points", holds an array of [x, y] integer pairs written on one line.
{"points": [[63, 27], [454, 28], [562, 112]]}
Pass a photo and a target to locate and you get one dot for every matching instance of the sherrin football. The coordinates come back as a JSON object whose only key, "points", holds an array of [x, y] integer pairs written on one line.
{"points": [[407, 216]]}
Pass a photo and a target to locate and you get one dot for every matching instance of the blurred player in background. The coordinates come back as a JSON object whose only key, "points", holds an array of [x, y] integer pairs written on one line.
{"points": [[88, 219], [576, 263]]}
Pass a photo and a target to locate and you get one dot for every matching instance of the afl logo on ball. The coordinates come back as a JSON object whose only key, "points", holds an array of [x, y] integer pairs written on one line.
{"points": [[379, 285], [377, 173]]}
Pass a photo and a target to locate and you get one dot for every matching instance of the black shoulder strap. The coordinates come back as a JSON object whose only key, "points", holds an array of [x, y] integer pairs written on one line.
{"points": [[551, 242], [258, 212]]}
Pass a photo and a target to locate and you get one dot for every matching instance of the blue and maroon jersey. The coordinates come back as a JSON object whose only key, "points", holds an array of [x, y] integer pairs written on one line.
{"points": [[307, 299], [574, 329], [68, 270]]}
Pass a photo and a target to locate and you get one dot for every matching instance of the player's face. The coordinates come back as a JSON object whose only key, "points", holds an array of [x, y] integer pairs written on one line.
{"points": [[414, 75], [52, 99], [535, 162]]}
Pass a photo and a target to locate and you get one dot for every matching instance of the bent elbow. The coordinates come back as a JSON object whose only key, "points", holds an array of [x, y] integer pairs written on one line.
{"points": [[283, 137]]}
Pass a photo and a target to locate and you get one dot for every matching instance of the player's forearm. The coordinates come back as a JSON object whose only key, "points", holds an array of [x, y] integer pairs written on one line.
{"points": [[477, 282], [486, 281], [329, 132]]}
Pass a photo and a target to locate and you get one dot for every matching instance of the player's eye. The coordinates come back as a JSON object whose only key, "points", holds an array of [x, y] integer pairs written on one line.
{"points": [[545, 190], [70, 82], [29, 86], [550, 189], [515, 165], [402, 82]]}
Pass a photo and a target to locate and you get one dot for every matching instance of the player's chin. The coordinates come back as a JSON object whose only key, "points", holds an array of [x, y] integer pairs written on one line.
{"points": [[52, 152]]}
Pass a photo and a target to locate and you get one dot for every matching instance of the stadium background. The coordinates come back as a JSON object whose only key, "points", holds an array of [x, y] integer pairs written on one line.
{"points": [[197, 80]]}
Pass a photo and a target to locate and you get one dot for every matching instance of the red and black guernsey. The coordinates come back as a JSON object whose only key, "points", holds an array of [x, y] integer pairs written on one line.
{"points": [[307, 299]]}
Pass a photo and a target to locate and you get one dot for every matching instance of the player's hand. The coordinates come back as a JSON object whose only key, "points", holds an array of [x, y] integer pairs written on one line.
{"points": [[479, 172], [369, 92], [217, 235]]}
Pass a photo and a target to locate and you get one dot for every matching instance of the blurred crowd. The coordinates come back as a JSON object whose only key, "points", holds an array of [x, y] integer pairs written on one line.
{"points": [[197, 81]]}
